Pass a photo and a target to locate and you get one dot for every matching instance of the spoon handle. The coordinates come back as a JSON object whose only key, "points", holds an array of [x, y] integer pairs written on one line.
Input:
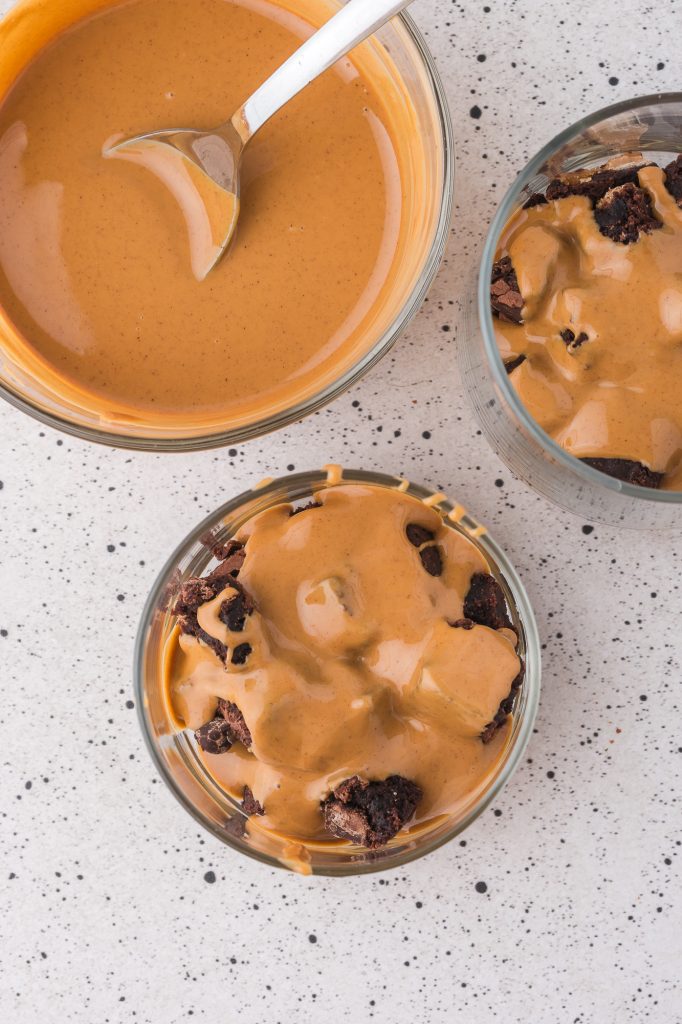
{"points": [[350, 26]]}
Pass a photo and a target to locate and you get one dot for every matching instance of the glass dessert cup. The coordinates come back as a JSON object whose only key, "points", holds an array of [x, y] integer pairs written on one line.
{"points": [[175, 753], [651, 125], [402, 53]]}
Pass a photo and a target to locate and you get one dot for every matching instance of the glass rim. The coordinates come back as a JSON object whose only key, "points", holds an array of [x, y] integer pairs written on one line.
{"points": [[304, 408], [310, 481], [500, 375]]}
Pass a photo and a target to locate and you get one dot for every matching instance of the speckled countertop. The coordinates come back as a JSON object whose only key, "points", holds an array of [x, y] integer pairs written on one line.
{"points": [[562, 903]]}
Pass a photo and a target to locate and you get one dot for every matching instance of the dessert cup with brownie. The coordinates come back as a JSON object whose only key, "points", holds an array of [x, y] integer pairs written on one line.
{"points": [[576, 372], [337, 671]]}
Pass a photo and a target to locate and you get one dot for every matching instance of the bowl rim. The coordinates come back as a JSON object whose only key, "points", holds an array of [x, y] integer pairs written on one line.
{"points": [[409, 309], [501, 378], [308, 482]]}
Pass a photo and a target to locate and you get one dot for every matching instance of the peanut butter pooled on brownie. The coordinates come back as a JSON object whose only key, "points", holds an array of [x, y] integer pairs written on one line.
{"points": [[348, 669], [586, 293]]}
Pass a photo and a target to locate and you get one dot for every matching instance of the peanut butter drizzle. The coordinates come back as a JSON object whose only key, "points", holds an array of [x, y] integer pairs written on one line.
{"points": [[619, 394], [354, 667], [98, 298]]}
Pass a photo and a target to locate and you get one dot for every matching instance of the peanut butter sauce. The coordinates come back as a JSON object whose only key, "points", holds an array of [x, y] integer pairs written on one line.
{"points": [[619, 394], [355, 667], [97, 294]]}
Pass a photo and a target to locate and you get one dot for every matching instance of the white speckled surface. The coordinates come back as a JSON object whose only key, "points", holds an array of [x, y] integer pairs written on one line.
{"points": [[116, 908]]}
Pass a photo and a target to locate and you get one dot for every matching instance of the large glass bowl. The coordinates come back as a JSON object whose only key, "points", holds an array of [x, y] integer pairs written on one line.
{"points": [[651, 125], [399, 50], [175, 753]]}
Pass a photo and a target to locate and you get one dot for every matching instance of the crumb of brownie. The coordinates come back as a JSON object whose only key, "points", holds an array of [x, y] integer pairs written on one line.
{"points": [[628, 471], [240, 654], [485, 603], [535, 199], [511, 364], [222, 549], [235, 719], [235, 609], [370, 813], [572, 341], [505, 297], [673, 179], [593, 184], [215, 737], [249, 803], [304, 508], [505, 709], [624, 212], [432, 560], [463, 624], [418, 535]]}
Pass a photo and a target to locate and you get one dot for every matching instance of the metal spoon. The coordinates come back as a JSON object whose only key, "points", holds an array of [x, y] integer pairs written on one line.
{"points": [[202, 168]]}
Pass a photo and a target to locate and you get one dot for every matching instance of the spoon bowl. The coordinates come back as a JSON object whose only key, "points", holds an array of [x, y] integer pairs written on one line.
{"points": [[202, 169]]}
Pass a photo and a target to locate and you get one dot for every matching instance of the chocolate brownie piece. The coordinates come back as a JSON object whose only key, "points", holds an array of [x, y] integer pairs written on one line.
{"points": [[485, 603], [571, 341], [235, 719], [432, 560], [240, 654], [627, 470], [249, 803], [215, 737], [463, 624], [370, 813], [505, 709], [223, 550], [235, 608], [511, 364], [193, 593], [505, 297], [624, 212], [593, 185], [535, 199], [418, 535], [304, 508], [673, 179]]}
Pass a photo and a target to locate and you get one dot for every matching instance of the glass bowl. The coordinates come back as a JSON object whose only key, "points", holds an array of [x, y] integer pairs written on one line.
{"points": [[653, 125], [175, 754], [400, 53]]}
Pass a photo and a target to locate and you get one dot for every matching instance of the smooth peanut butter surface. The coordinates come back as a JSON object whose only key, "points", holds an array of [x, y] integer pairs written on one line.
{"points": [[95, 270], [355, 667], [618, 394]]}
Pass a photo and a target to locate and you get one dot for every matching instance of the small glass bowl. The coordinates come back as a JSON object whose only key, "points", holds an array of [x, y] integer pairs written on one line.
{"points": [[398, 47], [653, 125], [175, 754]]}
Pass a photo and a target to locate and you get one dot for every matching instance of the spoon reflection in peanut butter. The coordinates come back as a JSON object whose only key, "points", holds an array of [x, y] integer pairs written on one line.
{"points": [[202, 169]]}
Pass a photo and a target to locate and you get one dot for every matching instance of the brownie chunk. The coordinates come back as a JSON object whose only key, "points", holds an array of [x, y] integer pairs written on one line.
{"points": [[511, 364], [627, 470], [505, 709], [535, 199], [193, 593], [673, 179], [624, 212], [432, 560], [571, 341], [463, 624], [304, 508], [418, 535], [249, 803], [485, 603], [370, 813], [231, 549], [215, 737], [235, 608], [594, 186], [505, 297], [240, 654], [235, 720]]}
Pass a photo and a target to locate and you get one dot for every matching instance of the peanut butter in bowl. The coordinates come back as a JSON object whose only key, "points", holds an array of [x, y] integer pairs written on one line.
{"points": [[100, 311], [350, 673]]}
